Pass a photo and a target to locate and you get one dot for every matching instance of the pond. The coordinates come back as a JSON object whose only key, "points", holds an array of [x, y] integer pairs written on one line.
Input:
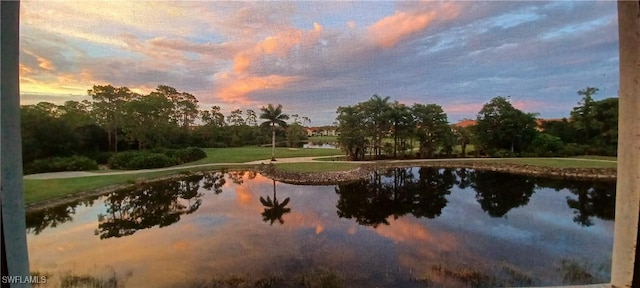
{"points": [[408, 227], [320, 145]]}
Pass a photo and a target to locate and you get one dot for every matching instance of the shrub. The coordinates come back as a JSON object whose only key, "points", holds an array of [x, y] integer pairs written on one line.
{"points": [[547, 145], [156, 158], [150, 160], [121, 160], [502, 153], [100, 156], [58, 164]]}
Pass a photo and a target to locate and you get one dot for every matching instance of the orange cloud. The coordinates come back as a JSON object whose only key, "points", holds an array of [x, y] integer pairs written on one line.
{"points": [[234, 86], [236, 89], [392, 29], [463, 108], [43, 63]]}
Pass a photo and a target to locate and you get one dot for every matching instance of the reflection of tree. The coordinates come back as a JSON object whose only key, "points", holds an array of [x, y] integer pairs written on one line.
{"points": [[213, 181], [274, 210], [594, 199], [498, 193], [395, 193], [237, 177], [428, 197], [156, 204], [39, 220]]}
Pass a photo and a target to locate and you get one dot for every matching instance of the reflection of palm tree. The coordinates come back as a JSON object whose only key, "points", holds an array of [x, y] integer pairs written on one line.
{"points": [[274, 210]]}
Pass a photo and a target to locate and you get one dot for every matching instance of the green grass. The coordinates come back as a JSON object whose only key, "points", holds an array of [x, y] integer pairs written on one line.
{"points": [[42, 189], [595, 157], [316, 167], [557, 162], [36, 190], [253, 153]]}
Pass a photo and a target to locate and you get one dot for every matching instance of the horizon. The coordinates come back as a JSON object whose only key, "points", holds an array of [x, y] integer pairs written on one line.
{"points": [[313, 57]]}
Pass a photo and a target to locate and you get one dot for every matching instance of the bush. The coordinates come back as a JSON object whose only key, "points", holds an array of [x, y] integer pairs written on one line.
{"points": [[502, 153], [150, 160], [121, 160], [59, 164], [100, 157], [188, 155], [156, 158], [573, 149], [547, 145]]}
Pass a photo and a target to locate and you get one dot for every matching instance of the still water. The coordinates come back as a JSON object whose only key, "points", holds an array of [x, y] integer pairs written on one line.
{"points": [[409, 227]]}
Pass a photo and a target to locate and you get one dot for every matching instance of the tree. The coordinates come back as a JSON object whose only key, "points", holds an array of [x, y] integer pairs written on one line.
{"points": [[432, 127], [148, 120], [463, 136], [273, 117], [402, 124], [377, 111], [251, 119], [108, 102], [583, 115], [500, 126], [352, 136]]}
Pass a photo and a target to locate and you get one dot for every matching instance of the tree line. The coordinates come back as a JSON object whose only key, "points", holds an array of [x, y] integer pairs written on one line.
{"points": [[118, 119], [381, 128]]}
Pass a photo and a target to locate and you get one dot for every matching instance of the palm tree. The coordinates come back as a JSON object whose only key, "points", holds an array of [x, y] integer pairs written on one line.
{"points": [[273, 117]]}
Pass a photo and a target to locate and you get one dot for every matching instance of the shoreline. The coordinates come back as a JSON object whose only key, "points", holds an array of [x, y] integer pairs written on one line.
{"points": [[340, 177]]}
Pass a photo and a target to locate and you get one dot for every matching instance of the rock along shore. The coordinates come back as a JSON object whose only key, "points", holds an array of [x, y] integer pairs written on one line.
{"points": [[328, 178]]}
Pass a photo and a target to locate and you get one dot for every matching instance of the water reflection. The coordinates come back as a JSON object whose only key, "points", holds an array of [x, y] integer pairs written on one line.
{"points": [[395, 192], [438, 226], [51, 217], [498, 193], [273, 209], [594, 198], [157, 204]]}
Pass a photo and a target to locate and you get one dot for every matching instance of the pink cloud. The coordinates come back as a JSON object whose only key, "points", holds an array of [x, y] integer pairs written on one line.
{"points": [[390, 30]]}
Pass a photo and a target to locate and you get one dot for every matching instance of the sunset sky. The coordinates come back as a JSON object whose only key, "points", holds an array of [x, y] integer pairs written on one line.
{"points": [[315, 56]]}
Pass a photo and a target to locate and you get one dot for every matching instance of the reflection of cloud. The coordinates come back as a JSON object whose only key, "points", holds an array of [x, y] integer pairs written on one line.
{"points": [[244, 195], [406, 230]]}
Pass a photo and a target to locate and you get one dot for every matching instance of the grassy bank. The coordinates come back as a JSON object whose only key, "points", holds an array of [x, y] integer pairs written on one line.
{"points": [[253, 153], [40, 190]]}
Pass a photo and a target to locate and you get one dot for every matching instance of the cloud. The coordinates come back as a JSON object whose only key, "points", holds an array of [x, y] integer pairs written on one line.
{"points": [[392, 29], [234, 89]]}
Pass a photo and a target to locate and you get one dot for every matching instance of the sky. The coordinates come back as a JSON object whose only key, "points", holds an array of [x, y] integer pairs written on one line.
{"points": [[314, 56]]}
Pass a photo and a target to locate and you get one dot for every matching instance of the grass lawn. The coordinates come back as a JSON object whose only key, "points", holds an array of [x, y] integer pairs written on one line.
{"points": [[316, 167], [557, 162], [253, 153], [42, 189], [595, 157]]}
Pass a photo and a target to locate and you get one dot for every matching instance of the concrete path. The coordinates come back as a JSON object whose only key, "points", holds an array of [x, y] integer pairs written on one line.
{"points": [[74, 174]]}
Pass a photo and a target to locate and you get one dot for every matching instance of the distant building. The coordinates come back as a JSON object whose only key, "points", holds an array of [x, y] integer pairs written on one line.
{"points": [[466, 123], [323, 131]]}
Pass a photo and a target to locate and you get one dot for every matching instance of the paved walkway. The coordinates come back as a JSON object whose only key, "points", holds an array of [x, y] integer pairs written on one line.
{"points": [[74, 174]]}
